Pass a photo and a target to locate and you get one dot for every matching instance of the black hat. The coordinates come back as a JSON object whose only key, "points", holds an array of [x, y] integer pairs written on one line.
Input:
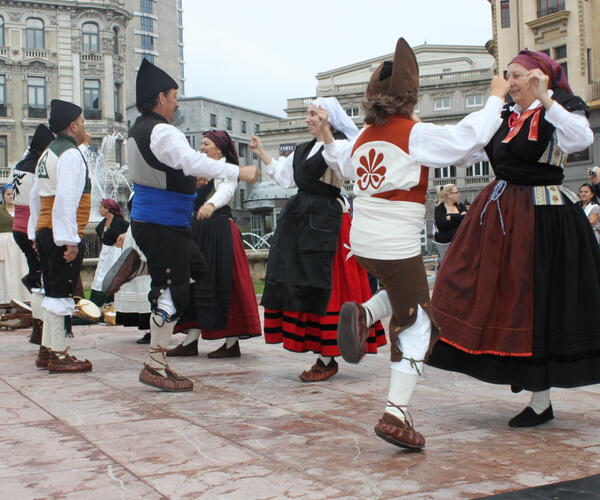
{"points": [[41, 138], [62, 113], [150, 81]]}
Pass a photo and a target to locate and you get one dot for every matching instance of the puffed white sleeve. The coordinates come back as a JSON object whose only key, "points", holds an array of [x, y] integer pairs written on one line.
{"points": [[338, 156], [170, 147], [282, 171], [224, 191], [34, 209], [70, 182], [441, 145], [572, 129]]}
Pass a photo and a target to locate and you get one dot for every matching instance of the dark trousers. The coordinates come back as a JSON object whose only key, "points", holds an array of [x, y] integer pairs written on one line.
{"points": [[60, 277], [33, 261]]}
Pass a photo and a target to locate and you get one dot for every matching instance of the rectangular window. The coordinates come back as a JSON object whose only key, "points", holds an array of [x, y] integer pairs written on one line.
{"points": [[91, 99], [2, 90], [256, 128], [243, 126], [442, 103], [579, 156], [35, 34], [179, 18], [474, 100], [590, 66], [445, 173], [479, 169], [546, 7], [4, 170], [180, 53], [560, 52], [1, 31], [243, 150], [505, 13], [147, 42], [91, 42], [36, 96], [180, 35], [119, 152], [117, 103], [146, 6], [213, 120], [228, 123], [181, 71], [147, 24], [351, 111]]}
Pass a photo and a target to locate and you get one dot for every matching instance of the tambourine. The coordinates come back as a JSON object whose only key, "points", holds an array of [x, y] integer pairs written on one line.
{"points": [[21, 306], [87, 309]]}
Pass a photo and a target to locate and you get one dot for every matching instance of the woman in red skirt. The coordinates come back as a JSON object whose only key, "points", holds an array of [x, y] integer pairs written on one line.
{"points": [[223, 304], [308, 274], [518, 290]]}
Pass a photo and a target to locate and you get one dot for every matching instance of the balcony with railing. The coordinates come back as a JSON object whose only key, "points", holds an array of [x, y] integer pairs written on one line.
{"points": [[545, 8], [35, 54], [92, 114], [4, 51], [477, 180], [91, 57], [443, 181], [596, 91], [37, 112]]}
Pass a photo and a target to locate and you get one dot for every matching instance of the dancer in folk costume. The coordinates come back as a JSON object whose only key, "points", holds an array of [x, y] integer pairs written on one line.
{"points": [[23, 177], [518, 291], [309, 272], [223, 303], [60, 202], [163, 168], [387, 161]]}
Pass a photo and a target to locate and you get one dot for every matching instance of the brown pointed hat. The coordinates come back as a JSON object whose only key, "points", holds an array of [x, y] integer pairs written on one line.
{"points": [[393, 78]]}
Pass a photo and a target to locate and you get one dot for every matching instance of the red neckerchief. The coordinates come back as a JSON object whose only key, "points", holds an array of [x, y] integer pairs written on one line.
{"points": [[516, 124]]}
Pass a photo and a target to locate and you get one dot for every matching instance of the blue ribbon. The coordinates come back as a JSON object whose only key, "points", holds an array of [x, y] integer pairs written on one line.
{"points": [[495, 197], [158, 206]]}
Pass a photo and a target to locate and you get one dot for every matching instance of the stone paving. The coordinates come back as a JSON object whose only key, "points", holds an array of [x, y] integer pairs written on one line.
{"points": [[252, 430]]}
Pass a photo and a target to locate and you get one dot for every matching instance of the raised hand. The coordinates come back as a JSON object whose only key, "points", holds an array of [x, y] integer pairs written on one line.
{"points": [[537, 81], [499, 87]]}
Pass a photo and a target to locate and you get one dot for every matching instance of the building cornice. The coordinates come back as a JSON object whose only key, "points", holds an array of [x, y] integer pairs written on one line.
{"points": [[72, 6]]}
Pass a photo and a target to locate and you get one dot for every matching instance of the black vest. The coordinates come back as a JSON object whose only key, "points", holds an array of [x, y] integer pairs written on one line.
{"points": [[308, 171], [145, 168]]}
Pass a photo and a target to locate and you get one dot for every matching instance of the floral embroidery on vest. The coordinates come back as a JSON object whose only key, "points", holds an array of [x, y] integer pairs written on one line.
{"points": [[372, 174]]}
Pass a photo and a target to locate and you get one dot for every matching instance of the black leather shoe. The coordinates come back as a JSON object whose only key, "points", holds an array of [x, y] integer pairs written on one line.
{"points": [[529, 418], [144, 340], [514, 389]]}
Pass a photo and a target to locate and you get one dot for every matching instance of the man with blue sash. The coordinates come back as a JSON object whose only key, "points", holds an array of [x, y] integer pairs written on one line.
{"points": [[163, 168]]}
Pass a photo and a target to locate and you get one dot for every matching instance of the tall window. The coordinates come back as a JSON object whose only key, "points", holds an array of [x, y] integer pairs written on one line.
{"points": [[546, 7], [117, 103], [256, 128], [1, 31], [444, 173], [2, 90], [35, 33], [243, 150], [115, 40], [147, 42], [180, 35], [146, 6], [479, 169], [590, 66], [505, 13], [228, 123], [91, 99], [90, 37], [3, 157], [243, 126], [213, 120], [119, 151], [36, 96], [147, 24]]}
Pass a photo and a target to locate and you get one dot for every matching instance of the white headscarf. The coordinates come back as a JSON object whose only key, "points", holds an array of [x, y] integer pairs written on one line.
{"points": [[338, 118]]}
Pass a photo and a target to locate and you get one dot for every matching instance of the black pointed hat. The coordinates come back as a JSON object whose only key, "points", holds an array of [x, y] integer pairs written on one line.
{"points": [[41, 138], [393, 78], [62, 113], [150, 81]]}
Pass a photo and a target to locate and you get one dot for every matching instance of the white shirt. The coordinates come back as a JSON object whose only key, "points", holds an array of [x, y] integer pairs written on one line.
{"points": [[170, 147], [224, 191]]}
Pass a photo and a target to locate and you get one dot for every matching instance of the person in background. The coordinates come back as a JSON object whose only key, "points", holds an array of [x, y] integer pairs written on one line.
{"points": [[448, 215], [589, 203]]}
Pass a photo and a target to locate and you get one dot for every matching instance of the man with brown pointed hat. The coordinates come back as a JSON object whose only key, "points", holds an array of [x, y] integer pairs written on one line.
{"points": [[387, 161], [60, 202], [163, 168]]}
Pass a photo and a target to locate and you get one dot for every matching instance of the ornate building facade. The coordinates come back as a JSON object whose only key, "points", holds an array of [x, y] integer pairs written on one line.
{"points": [[68, 50]]}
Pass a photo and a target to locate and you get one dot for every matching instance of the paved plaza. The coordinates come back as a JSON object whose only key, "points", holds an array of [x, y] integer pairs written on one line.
{"points": [[252, 430]]}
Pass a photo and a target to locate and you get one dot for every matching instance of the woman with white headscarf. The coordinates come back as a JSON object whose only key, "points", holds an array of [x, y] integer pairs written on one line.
{"points": [[309, 274]]}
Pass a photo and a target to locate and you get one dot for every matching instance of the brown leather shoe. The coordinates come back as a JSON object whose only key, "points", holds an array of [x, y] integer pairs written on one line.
{"points": [[68, 364], [224, 352], [320, 371], [171, 383], [42, 358], [352, 332], [123, 270], [399, 433], [36, 331], [184, 350]]}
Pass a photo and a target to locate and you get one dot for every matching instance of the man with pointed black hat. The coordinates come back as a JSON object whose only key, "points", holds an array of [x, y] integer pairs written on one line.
{"points": [[60, 204], [23, 176], [387, 161], [163, 168]]}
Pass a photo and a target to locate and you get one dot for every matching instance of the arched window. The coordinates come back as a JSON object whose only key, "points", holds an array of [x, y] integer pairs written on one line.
{"points": [[35, 33], [116, 40], [90, 37], [1, 31]]}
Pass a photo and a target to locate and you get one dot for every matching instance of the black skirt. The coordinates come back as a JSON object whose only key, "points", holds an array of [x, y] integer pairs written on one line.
{"points": [[566, 322]]}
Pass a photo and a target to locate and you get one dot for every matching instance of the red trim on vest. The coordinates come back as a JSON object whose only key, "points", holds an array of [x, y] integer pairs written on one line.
{"points": [[517, 124], [395, 131]]}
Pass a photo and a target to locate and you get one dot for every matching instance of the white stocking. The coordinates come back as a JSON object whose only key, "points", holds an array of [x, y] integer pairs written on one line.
{"points": [[540, 401], [377, 307], [193, 335], [230, 342]]}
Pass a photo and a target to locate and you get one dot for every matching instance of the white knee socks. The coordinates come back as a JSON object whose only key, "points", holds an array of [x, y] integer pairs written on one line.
{"points": [[55, 333], [193, 335], [402, 386], [160, 336], [377, 307], [36, 306], [230, 342], [540, 401]]}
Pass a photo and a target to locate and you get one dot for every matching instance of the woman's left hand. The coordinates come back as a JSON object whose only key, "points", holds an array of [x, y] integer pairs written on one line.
{"points": [[537, 81], [206, 211], [120, 241]]}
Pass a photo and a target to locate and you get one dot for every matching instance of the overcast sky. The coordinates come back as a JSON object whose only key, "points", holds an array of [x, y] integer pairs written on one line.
{"points": [[259, 53]]}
